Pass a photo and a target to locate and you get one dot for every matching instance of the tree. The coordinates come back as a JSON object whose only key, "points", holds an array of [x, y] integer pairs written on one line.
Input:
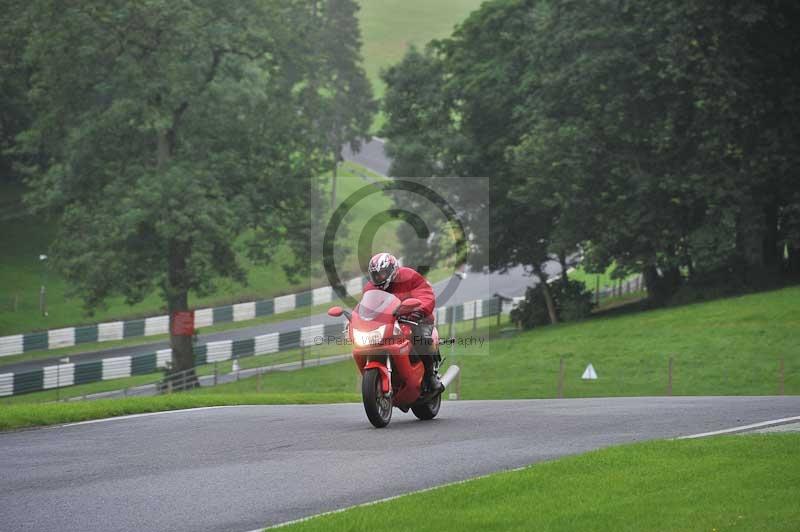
{"points": [[14, 79], [673, 107], [338, 84], [451, 111], [173, 131], [655, 137]]}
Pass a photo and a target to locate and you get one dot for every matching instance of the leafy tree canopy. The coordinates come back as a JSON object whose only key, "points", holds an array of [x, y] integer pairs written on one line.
{"points": [[168, 129], [656, 137]]}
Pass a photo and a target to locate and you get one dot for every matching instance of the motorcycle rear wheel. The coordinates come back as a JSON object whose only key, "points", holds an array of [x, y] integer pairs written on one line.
{"points": [[377, 405], [428, 410]]}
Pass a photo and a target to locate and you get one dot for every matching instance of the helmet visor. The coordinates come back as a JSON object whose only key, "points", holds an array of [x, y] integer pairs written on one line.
{"points": [[379, 277]]}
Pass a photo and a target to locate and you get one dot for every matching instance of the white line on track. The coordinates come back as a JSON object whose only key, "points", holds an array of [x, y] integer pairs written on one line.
{"points": [[741, 428], [146, 414]]}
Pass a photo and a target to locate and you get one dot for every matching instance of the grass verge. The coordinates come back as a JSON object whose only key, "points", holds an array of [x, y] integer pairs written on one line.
{"points": [[726, 347], [80, 390], [31, 415], [726, 483]]}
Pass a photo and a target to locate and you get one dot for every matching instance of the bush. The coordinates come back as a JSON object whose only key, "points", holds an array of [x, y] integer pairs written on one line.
{"points": [[573, 301]]}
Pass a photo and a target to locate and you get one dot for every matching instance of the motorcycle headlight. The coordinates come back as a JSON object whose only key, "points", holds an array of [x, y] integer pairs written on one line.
{"points": [[373, 337]]}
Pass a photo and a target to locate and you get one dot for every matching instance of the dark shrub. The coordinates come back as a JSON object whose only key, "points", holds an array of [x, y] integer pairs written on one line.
{"points": [[573, 301]]}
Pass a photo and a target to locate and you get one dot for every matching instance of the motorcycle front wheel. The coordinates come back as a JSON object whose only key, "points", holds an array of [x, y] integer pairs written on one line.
{"points": [[377, 405]]}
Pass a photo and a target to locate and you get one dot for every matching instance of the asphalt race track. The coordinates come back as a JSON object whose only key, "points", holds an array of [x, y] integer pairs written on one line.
{"points": [[370, 156], [240, 468]]}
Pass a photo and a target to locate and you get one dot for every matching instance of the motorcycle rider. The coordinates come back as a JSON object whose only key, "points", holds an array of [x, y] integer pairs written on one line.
{"points": [[385, 273]]}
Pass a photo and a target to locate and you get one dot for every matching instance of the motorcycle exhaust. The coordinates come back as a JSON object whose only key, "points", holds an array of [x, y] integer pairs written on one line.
{"points": [[450, 375]]}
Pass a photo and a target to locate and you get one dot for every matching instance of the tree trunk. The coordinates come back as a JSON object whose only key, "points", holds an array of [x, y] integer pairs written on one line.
{"points": [[771, 251], [793, 258], [548, 299], [178, 300], [661, 287], [751, 229], [176, 287], [562, 259], [182, 352], [548, 296]]}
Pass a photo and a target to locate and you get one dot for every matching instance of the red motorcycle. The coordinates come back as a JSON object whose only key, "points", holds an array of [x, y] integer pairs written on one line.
{"points": [[383, 352]]}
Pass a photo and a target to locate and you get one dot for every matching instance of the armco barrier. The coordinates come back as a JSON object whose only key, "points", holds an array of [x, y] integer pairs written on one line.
{"points": [[205, 317], [61, 375]]}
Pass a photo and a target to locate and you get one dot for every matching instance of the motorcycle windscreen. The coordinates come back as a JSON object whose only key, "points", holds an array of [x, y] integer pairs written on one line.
{"points": [[377, 304]]}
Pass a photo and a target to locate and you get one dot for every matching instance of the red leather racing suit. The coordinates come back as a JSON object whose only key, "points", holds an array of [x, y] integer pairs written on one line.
{"points": [[408, 283]]}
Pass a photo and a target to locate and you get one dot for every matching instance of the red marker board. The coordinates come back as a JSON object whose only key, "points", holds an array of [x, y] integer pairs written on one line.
{"points": [[183, 323]]}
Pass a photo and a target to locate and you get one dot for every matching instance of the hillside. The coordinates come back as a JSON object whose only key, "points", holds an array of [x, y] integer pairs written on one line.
{"points": [[725, 347]]}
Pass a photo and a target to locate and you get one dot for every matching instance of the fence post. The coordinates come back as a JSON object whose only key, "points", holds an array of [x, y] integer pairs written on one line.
{"points": [[258, 381], [499, 310], [474, 315], [561, 378], [597, 290], [169, 385], [450, 323], [216, 373], [780, 377], [669, 378], [302, 354]]}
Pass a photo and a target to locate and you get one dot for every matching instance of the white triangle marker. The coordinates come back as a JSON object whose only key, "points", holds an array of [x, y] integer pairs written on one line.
{"points": [[589, 374]]}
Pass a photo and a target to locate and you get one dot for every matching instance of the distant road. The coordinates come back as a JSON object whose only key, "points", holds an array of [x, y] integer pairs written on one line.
{"points": [[475, 286], [241, 468], [371, 156]]}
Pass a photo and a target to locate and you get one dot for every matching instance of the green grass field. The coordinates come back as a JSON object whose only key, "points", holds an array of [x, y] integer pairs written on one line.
{"points": [[591, 279], [745, 482], [389, 27], [725, 347]]}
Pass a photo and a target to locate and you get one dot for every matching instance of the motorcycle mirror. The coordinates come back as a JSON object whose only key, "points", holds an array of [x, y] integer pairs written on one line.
{"points": [[335, 311], [408, 305]]}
